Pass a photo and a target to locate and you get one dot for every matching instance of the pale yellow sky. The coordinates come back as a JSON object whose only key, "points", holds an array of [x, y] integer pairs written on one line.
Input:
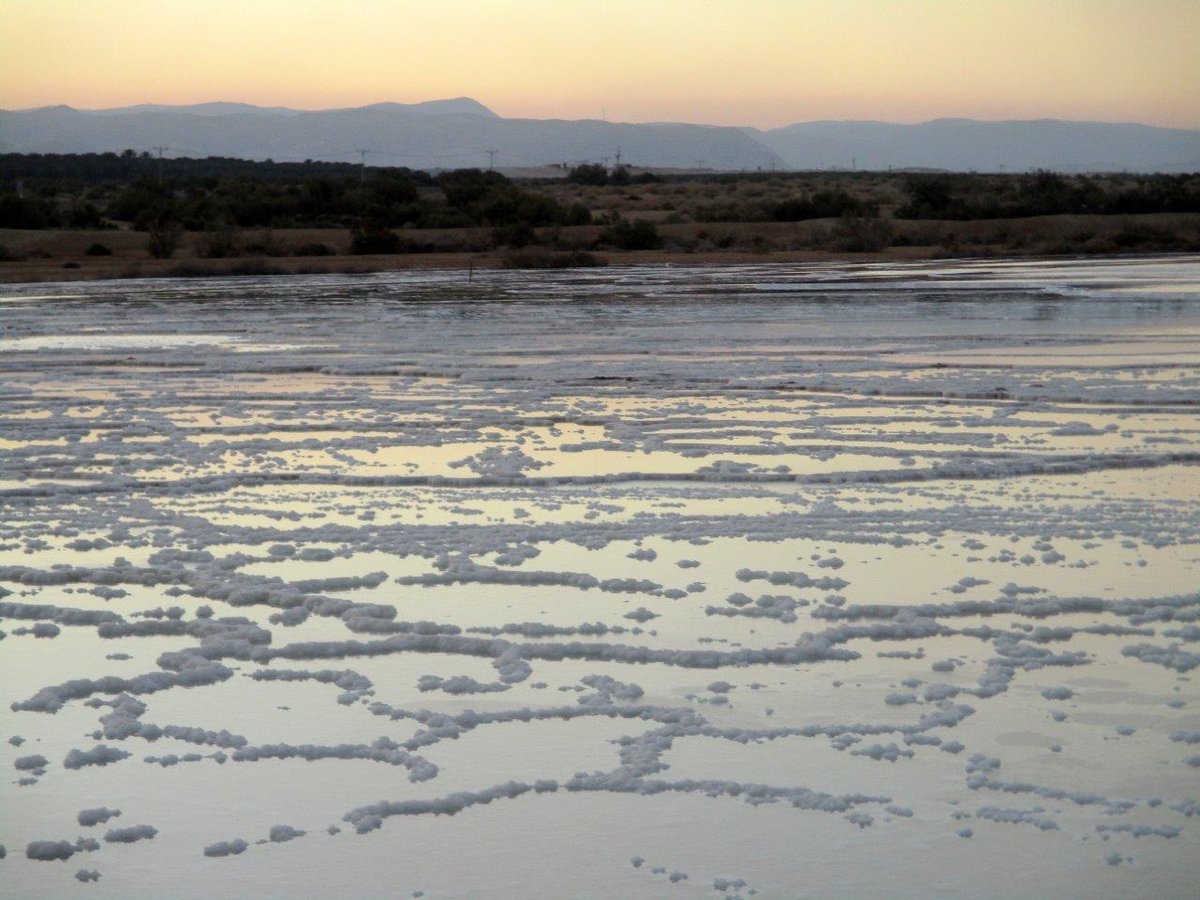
{"points": [[733, 62]]}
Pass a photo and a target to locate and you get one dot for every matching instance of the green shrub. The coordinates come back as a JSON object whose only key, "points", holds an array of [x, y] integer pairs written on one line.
{"points": [[314, 249], [626, 235], [163, 239], [220, 243], [98, 249], [592, 174], [538, 258], [374, 240], [859, 234]]}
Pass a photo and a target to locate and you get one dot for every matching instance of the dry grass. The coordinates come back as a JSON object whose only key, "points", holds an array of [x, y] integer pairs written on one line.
{"points": [[62, 255]]}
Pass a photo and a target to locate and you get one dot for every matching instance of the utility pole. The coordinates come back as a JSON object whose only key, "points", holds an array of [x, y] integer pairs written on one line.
{"points": [[618, 158], [491, 159], [160, 162], [362, 165]]}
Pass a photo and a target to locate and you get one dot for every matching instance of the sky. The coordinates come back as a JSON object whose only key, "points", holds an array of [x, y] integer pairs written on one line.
{"points": [[763, 63]]}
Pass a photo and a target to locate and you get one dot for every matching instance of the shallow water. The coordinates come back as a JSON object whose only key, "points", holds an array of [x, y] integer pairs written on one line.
{"points": [[792, 580]]}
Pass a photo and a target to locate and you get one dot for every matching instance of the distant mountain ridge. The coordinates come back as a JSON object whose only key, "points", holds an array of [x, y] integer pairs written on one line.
{"points": [[970, 144], [461, 131]]}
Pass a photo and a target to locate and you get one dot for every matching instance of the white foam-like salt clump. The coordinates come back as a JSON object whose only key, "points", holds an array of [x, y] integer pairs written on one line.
{"points": [[61, 615], [96, 816], [1058, 693], [282, 833], [641, 614], [889, 752], [49, 851], [610, 689], [40, 630], [795, 579], [130, 834], [1137, 831], [767, 606], [34, 762], [458, 684], [192, 671], [382, 750], [100, 755], [1018, 816], [242, 490], [226, 848], [1172, 656]]}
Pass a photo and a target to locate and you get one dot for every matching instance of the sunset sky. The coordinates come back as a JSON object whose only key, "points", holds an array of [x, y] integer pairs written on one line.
{"points": [[733, 62]]}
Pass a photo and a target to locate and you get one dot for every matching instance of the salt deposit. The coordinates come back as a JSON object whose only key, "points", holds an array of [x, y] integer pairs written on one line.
{"points": [[665, 573]]}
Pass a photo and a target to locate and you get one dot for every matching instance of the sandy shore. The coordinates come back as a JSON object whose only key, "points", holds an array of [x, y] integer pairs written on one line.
{"points": [[91, 269]]}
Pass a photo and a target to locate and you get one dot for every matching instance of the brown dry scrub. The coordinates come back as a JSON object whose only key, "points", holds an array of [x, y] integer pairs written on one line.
{"points": [[63, 255]]}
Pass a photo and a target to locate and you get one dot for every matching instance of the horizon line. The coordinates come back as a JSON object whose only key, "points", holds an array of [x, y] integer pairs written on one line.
{"points": [[376, 103]]}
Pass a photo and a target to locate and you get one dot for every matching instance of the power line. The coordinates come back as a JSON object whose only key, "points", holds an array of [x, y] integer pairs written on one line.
{"points": [[160, 150]]}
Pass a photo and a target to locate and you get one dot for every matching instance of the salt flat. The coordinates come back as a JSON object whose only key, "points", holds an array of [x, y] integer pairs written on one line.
{"points": [[784, 581]]}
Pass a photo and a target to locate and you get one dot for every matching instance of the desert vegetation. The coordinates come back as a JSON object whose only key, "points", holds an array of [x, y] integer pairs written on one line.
{"points": [[102, 215]]}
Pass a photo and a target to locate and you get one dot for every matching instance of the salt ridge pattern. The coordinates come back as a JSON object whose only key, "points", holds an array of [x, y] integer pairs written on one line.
{"points": [[301, 574]]}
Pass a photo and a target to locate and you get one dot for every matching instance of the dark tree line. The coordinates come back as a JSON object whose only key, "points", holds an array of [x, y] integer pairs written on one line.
{"points": [[966, 197], [95, 190], [100, 190], [97, 168]]}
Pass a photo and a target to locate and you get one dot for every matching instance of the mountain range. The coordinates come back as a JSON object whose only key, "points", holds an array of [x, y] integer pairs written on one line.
{"points": [[461, 132]]}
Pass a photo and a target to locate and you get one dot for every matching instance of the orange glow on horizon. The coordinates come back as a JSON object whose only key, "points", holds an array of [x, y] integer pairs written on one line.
{"points": [[730, 62]]}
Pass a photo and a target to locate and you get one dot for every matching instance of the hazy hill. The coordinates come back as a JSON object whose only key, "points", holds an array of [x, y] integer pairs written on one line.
{"points": [[459, 132], [438, 134], [967, 144]]}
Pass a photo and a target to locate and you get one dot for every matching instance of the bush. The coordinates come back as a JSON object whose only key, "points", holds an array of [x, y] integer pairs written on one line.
{"points": [[520, 234], [85, 216], [264, 244], [592, 174], [929, 197], [219, 243], [549, 259], [24, 212], [374, 240], [626, 235], [466, 187], [858, 234], [314, 249], [163, 239], [98, 249], [827, 204], [577, 214]]}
